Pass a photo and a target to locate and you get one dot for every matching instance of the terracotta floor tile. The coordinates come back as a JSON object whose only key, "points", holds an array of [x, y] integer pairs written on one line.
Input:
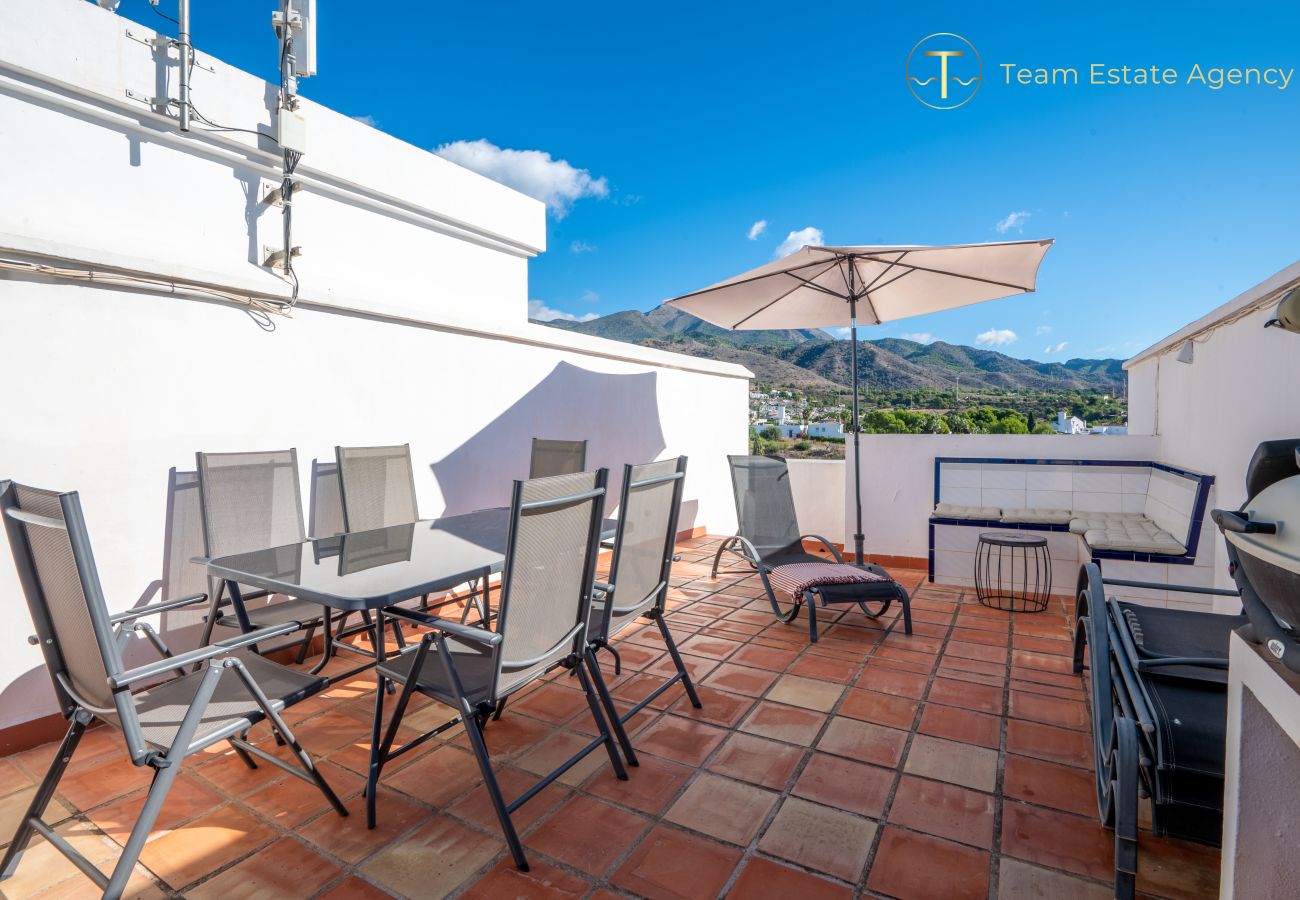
{"points": [[432, 860], [962, 725], [763, 879], [1058, 646], [635, 656], [717, 707], [965, 695], [721, 808], [209, 842], [1072, 748], [784, 723], [1057, 840], [869, 706], [671, 864], [921, 663], [744, 680], [44, 871], [964, 764], [476, 806], [650, 787], [944, 810], [764, 657], [104, 782], [681, 740], [712, 648], [845, 784], [886, 680], [552, 703], [587, 834], [1049, 710], [757, 760], [1049, 690], [1020, 881], [698, 667], [805, 693], [189, 798], [839, 671], [863, 741], [540, 882], [435, 778], [911, 865], [13, 778], [1056, 679], [353, 888], [1060, 665], [1047, 784], [349, 839], [984, 652], [292, 801], [638, 687], [287, 868], [819, 837]]}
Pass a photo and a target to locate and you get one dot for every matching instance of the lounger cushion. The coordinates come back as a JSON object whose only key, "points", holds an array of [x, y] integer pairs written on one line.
{"points": [[1134, 536], [1082, 523], [1037, 516], [957, 511]]}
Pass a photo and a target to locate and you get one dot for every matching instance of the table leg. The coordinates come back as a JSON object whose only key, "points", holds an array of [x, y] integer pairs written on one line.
{"points": [[376, 731]]}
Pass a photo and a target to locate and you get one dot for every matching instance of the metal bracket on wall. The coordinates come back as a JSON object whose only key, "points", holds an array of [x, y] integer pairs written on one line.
{"points": [[273, 257]]}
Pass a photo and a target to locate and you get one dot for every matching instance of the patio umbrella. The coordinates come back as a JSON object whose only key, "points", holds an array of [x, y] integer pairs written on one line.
{"points": [[830, 287]]}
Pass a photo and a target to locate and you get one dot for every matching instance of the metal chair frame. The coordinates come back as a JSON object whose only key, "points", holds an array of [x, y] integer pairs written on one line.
{"points": [[651, 606], [475, 715], [112, 632]]}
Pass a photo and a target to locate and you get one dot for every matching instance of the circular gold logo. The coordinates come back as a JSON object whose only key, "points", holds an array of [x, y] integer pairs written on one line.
{"points": [[944, 70]]}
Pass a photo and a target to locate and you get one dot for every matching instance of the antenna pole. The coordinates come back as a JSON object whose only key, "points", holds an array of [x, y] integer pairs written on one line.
{"points": [[186, 54]]}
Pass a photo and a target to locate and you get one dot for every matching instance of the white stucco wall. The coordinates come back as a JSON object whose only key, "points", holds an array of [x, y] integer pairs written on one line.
{"points": [[1240, 389], [818, 488], [411, 325]]}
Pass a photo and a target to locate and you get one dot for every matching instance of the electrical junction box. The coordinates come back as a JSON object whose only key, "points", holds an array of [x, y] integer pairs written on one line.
{"points": [[291, 131]]}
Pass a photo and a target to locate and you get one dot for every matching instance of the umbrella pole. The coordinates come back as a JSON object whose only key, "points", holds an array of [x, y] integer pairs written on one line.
{"points": [[857, 434]]}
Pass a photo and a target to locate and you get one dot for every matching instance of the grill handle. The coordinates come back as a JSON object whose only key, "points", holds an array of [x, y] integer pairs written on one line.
{"points": [[1235, 522]]}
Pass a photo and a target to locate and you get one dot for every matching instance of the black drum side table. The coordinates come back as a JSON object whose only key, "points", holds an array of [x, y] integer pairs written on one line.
{"points": [[1013, 571]]}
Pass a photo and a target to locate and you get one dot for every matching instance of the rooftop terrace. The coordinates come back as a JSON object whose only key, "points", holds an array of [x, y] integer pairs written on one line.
{"points": [[952, 763]]}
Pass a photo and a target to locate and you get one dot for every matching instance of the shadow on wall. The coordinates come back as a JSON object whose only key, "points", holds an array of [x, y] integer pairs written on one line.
{"points": [[618, 416]]}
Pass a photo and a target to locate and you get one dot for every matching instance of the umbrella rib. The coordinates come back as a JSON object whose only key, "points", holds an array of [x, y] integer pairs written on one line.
{"points": [[886, 271], [728, 284], [767, 305], [915, 268]]}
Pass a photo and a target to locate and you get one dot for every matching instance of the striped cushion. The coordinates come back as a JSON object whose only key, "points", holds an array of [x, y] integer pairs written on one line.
{"points": [[798, 577]]}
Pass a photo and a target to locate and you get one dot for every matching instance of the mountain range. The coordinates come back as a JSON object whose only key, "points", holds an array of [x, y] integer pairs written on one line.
{"points": [[812, 360]]}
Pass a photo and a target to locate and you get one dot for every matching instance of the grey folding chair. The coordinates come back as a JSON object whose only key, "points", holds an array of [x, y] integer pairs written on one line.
{"points": [[769, 536], [177, 715], [638, 574], [325, 518], [545, 602], [556, 458], [253, 501], [378, 491]]}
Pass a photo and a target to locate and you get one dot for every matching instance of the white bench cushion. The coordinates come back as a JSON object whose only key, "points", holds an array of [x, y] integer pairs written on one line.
{"points": [[1082, 523], [957, 511], [1037, 516], [1134, 536]]}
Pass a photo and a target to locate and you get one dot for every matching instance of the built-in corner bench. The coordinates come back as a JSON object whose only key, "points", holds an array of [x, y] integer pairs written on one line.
{"points": [[1138, 519]]}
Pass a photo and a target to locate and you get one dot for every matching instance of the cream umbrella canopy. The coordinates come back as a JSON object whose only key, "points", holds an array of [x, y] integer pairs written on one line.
{"points": [[832, 287]]}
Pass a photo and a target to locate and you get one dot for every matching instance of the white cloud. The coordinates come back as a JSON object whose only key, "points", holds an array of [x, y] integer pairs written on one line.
{"points": [[1056, 348], [796, 239], [582, 247], [996, 337], [844, 332], [589, 296], [543, 313], [1043, 329], [756, 229], [533, 172], [1014, 220], [921, 337], [366, 120]]}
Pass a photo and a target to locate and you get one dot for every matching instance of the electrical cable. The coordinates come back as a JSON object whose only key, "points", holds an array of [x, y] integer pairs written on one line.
{"points": [[154, 6]]}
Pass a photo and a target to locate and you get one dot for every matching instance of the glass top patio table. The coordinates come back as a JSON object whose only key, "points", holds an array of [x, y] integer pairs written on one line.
{"points": [[368, 570]]}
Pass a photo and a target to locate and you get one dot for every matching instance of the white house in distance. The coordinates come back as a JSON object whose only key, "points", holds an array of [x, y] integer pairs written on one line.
{"points": [[1068, 424]]}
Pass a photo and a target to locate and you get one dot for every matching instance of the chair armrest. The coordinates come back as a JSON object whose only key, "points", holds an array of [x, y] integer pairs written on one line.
{"points": [[455, 629], [600, 587], [150, 609], [825, 543], [202, 654]]}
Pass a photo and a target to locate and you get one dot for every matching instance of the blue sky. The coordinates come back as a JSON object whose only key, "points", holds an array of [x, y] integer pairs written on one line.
{"points": [[683, 124]]}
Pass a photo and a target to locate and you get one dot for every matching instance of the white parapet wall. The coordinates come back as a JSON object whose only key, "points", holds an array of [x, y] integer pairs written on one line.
{"points": [[411, 326], [818, 488]]}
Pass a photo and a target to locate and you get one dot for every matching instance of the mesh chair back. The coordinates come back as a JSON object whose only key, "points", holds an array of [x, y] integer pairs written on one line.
{"points": [[326, 516], [48, 538], [549, 569], [643, 548], [557, 458], [378, 487], [251, 501], [764, 503], [182, 577]]}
